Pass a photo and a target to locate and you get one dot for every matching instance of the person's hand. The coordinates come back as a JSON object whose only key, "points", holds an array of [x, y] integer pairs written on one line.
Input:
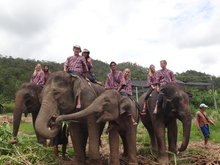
{"points": [[158, 88], [214, 124], [153, 86], [87, 79], [89, 60]]}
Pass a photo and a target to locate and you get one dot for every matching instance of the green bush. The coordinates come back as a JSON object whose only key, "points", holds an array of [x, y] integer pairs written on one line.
{"points": [[8, 108]]}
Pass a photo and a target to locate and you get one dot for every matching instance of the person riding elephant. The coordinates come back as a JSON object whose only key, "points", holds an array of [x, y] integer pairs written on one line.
{"points": [[175, 105], [125, 89], [76, 65], [27, 100], [90, 75], [111, 106], [60, 94], [163, 77], [151, 82], [38, 76]]}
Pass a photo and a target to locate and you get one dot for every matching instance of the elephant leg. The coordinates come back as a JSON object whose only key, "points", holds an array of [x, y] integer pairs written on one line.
{"points": [[79, 137], [131, 141], [159, 128], [125, 144], [40, 139], [114, 147], [149, 127], [94, 141], [172, 136]]}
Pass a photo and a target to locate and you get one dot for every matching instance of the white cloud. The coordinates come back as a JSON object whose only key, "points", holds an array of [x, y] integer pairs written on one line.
{"points": [[185, 33]]}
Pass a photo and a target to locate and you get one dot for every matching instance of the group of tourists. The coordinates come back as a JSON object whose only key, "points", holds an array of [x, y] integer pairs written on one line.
{"points": [[40, 75], [80, 65]]}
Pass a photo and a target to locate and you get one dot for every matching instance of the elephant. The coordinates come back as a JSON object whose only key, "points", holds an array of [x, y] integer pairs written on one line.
{"points": [[113, 107], [27, 100], [59, 95], [175, 105]]}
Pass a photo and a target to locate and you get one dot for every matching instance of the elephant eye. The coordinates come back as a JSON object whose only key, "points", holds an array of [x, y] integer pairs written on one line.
{"points": [[56, 94]]}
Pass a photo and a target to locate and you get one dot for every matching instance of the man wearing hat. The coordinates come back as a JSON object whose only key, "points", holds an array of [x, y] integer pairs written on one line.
{"points": [[76, 65], [202, 121]]}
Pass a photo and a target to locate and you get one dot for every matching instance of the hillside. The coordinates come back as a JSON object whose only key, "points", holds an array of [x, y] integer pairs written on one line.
{"points": [[15, 71]]}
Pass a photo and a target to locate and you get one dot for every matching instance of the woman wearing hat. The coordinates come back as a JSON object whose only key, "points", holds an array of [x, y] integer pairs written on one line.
{"points": [[90, 75], [202, 121]]}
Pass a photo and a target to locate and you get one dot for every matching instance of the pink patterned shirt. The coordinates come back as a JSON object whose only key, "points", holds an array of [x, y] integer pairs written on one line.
{"points": [[89, 65], [114, 81], [127, 87], [38, 78], [165, 76], [76, 64], [151, 80]]}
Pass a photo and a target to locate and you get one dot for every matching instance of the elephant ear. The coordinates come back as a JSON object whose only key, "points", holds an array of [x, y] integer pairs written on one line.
{"points": [[78, 85], [125, 105]]}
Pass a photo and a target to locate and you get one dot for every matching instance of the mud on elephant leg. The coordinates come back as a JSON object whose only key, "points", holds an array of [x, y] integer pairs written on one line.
{"points": [[125, 144], [79, 138], [94, 136], [132, 151], [160, 136], [172, 137], [114, 147]]}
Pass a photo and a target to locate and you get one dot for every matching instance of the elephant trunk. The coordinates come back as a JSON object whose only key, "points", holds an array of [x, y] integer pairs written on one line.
{"points": [[84, 113], [186, 121], [47, 110]]}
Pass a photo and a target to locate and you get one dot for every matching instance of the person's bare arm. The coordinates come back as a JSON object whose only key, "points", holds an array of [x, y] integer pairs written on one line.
{"points": [[197, 121], [64, 68], [210, 121]]}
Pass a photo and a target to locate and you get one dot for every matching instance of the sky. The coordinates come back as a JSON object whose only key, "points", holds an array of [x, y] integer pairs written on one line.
{"points": [[183, 32]]}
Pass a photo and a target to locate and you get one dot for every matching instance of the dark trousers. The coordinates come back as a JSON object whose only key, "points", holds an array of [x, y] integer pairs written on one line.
{"points": [[149, 91], [74, 73], [91, 77]]}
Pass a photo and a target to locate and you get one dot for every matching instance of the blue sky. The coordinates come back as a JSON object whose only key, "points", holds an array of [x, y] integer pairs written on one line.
{"points": [[184, 32]]}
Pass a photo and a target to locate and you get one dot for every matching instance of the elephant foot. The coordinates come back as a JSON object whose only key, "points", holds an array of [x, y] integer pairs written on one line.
{"points": [[114, 163], [94, 162], [163, 161], [76, 161]]}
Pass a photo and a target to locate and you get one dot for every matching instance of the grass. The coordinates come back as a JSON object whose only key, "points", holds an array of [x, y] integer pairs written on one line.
{"points": [[143, 142], [26, 128]]}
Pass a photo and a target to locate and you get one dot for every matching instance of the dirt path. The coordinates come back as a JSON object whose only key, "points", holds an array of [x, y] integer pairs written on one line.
{"points": [[9, 119], [195, 154]]}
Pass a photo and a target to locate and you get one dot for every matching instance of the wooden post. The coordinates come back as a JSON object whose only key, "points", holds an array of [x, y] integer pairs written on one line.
{"points": [[136, 89], [213, 93]]}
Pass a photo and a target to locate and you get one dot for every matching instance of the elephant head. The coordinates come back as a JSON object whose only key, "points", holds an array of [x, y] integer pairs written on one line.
{"points": [[27, 100], [58, 96], [108, 106], [177, 101]]}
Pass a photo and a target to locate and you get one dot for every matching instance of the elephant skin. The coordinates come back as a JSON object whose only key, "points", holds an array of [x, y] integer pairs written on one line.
{"points": [[27, 100], [175, 106], [59, 95], [108, 107]]}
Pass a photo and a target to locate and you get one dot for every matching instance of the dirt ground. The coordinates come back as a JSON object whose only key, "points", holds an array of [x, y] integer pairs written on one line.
{"points": [[9, 119], [195, 154]]}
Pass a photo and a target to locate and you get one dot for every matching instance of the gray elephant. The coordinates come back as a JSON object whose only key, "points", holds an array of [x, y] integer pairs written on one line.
{"points": [[27, 101], [111, 106], [175, 106], [59, 95]]}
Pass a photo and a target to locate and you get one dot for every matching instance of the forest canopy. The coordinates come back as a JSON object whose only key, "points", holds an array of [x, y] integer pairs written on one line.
{"points": [[15, 71]]}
